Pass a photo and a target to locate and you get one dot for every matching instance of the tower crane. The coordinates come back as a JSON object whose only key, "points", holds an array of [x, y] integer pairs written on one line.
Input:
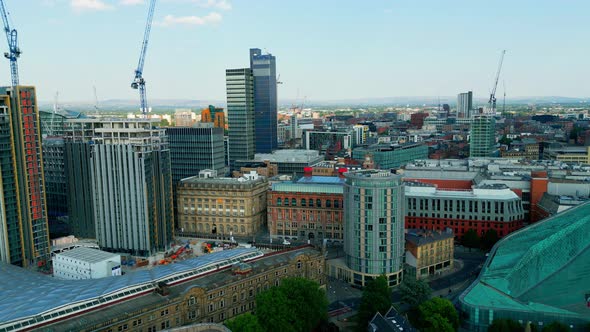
{"points": [[13, 49], [492, 101], [138, 81]]}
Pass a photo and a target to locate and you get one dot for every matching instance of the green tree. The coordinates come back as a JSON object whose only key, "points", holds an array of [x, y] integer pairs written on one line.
{"points": [[428, 310], [471, 239], [296, 305], [164, 123], [489, 239], [437, 323], [376, 298], [556, 327], [505, 140], [505, 325], [244, 323], [414, 292]]}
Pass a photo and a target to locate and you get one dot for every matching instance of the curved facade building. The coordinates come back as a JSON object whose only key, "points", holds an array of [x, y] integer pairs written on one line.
{"points": [[539, 274], [374, 225]]}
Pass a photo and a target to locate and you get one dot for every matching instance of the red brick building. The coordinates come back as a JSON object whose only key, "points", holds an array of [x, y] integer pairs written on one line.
{"points": [[309, 209]]}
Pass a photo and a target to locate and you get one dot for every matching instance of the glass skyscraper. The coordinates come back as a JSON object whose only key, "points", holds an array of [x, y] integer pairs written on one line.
{"points": [[240, 114], [265, 100]]}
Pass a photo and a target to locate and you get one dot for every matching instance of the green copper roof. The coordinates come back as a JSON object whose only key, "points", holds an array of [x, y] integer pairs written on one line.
{"points": [[542, 268]]}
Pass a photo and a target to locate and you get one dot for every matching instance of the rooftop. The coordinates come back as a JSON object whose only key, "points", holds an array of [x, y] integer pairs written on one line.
{"points": [[391, 322], [29, 295], [321, 180], [541, 268], [421, 237], [290, 155], [88, 255], [496, 191]]}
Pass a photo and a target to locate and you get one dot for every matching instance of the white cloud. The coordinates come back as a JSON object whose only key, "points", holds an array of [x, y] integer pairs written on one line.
{"points": [[210, 18], [81, 5], [131, 2]]}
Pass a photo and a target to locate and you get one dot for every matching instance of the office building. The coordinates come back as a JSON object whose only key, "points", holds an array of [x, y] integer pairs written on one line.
{"points": [[210, 288], [193, 149], [213, 115], [80, 202], [224, 206], [184, 118], [386, 156], [539, 274], [482, 139], [86, 263], [130, 181], [24, 231], [265, 100], [288, 161], [240, 114], [465, 105], [485, 207], [56, 186], [309, 209], [324, 141], [373, 228], [428, 252]]}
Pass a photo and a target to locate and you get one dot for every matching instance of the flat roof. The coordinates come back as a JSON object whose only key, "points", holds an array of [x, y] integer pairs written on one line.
{"points": [[421, 237], [322, 180], [88, 255]]}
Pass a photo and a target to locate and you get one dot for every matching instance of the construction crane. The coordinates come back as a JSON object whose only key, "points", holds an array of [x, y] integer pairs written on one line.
{"points": [[14, 52], [138, 81], [492, 101]]}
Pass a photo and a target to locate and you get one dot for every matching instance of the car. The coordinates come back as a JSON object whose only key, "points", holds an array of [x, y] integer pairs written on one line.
{"points": [[285, 242]]}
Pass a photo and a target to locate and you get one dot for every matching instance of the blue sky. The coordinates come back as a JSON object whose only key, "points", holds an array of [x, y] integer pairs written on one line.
{"points": [[325, 49]]}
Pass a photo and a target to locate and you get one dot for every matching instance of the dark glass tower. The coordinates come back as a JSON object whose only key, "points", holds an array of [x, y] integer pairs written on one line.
{"points": [[265, 100]]}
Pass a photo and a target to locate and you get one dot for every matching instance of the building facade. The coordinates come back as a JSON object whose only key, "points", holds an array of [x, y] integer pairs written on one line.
{"points": [[265, 100], [465, 105], [86, 263], [373, 226], [329, 140], [24, 230], [288, 161], [309, 209], [199, 290], [79, 200], [428, 252], [482, 136], [222, 206], [194, 149], [386, 156], [483, 208], [56, 187], [240, 114], [130, 181]]}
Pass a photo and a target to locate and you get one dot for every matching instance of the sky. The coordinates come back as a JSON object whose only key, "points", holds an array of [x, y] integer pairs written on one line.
{"points": [[325, 49]]}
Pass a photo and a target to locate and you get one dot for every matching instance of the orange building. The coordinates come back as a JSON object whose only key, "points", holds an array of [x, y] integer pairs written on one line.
{"points": [[215, 115]]}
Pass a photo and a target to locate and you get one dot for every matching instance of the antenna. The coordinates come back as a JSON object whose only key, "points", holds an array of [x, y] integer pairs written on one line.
{"points": [[95, 99]]}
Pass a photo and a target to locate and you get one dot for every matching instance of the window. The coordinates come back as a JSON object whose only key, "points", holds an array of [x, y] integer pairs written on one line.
{"points": [[299, 264], [165, 324], [328, 203], [318, 203], [279, 201], [164, 312], [303, 202], [293, 201], [192, 300], [211, 307], [192, 315]]}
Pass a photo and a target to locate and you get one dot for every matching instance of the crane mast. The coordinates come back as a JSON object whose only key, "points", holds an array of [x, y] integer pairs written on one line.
{"points": [[138, 81], [13, 50], [492, 101]]}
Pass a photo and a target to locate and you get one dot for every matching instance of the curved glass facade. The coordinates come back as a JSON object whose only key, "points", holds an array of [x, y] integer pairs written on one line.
{"points": [[374, 225]]}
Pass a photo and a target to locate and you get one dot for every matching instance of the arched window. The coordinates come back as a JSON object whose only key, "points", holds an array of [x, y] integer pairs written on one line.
{"points": [[293, 201], [207, 227], [311, 203], [200, 227], [336, 204], [286, 201], [303, 202], [328, 203], [318, 203], [243, 229], [279, 201]]}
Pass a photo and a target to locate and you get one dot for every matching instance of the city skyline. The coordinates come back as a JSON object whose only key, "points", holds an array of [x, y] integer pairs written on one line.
{"points": [[400, 49]]}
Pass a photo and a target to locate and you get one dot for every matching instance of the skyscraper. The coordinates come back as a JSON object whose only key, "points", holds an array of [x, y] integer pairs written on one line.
{"points": [[483, 136], [374, 225], [131, 183], [240, 113], [24, 233], [465, 105], [265, 100]]}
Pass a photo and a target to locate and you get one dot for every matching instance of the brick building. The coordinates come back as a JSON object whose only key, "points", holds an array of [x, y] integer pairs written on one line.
{"points": [[428, 252], [309, 209]]}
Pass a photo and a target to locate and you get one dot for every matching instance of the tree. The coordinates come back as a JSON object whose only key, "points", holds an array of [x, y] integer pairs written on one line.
{"points": [[164, 123], [434, 312], [296, 305], [244, 323], [437, 323], [505, 140], [556, 327], [505, 325], [414, 292], [376, 298], [489, 239], [471, 239]]}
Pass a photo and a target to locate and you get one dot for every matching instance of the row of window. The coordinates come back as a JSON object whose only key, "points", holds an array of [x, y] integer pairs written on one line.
{"points": [[308, 202]]}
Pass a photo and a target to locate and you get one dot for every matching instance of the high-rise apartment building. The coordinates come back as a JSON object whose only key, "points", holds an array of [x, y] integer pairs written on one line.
{"points": [[465, 105], [240, 114], [265, 100], [131, 183], [24, 233], [482, 136], [214, 115], [373, 226]]}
